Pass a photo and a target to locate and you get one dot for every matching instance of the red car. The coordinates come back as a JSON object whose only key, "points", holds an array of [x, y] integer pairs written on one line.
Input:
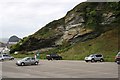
{"points": [[117, 58]]}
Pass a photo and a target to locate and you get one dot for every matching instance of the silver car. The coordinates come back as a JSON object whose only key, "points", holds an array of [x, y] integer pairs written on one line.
{"points": [[5, 57], [27, 61], [94, 58]]}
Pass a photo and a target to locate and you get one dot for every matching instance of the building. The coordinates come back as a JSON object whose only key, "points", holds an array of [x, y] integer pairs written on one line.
{"points": [[4, 50], [1, 48], [13, 40]]}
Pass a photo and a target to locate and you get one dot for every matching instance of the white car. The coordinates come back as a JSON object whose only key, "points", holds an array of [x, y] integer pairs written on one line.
{"points": [[5, 57], [94, 58]]}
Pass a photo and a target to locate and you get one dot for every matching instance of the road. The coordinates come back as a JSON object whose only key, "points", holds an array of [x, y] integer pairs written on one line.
{"points": [[60, 69]]}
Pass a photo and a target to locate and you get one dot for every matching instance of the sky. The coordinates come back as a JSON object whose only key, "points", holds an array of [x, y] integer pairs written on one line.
{"points": [[24, 17]]}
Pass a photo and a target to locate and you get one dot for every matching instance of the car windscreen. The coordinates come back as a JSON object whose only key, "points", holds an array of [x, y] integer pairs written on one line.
{"points": [[32, 58], [118, 54], [6, 56], [54, 54], [25, 58], [91, 55]]}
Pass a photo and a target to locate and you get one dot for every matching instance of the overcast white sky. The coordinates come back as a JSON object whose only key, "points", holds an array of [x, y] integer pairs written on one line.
{"points": [[24, 17]]}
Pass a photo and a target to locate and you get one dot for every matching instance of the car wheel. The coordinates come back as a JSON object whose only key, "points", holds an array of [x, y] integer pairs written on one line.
{"points": [[12, 58], [36, 63], [22, 64], [57, 59], [48, 58], [118, 62], [2, 59], [61, 58], [92, 60], [101, 60], [86, 61]]}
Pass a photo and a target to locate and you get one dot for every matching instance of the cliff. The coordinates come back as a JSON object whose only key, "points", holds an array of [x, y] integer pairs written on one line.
{"points": [[85, 23]]}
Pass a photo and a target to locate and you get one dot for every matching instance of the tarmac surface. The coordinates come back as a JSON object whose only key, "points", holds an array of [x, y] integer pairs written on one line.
{"points": [[60, 69]]}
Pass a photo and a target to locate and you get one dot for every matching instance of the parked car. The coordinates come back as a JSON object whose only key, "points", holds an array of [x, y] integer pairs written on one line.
{"points": [[117, 58], [53, 57], [94, 58], [5, 57], [27, 61]]}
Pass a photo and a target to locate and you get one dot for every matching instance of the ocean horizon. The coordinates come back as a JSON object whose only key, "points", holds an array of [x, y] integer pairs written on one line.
{"points": [[4, 40]]}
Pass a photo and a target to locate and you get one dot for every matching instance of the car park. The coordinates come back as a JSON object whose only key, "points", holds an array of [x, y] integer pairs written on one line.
{"points": [[117, 58], [53, 57], [27, 61], [94, 58], [5, 57]]}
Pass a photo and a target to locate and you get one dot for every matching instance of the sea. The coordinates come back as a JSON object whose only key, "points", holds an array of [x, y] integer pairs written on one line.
{"points": [[4, 40]]}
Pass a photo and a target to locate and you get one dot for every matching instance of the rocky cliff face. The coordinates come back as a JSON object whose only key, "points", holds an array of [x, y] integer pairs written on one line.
{"points": [[84, 22]]}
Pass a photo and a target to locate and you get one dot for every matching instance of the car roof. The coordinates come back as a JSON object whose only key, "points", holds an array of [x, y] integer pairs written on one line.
{"points": [[53, 54], [28, 57], [96, 54], [4, 54]]}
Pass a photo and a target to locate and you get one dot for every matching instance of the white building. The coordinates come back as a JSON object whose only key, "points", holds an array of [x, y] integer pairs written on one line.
{"points": [[4, 50], [1, 48]]}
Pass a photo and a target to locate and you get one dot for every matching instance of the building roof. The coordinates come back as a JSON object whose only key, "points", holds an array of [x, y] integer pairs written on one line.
{"points": [[14, 39]]}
